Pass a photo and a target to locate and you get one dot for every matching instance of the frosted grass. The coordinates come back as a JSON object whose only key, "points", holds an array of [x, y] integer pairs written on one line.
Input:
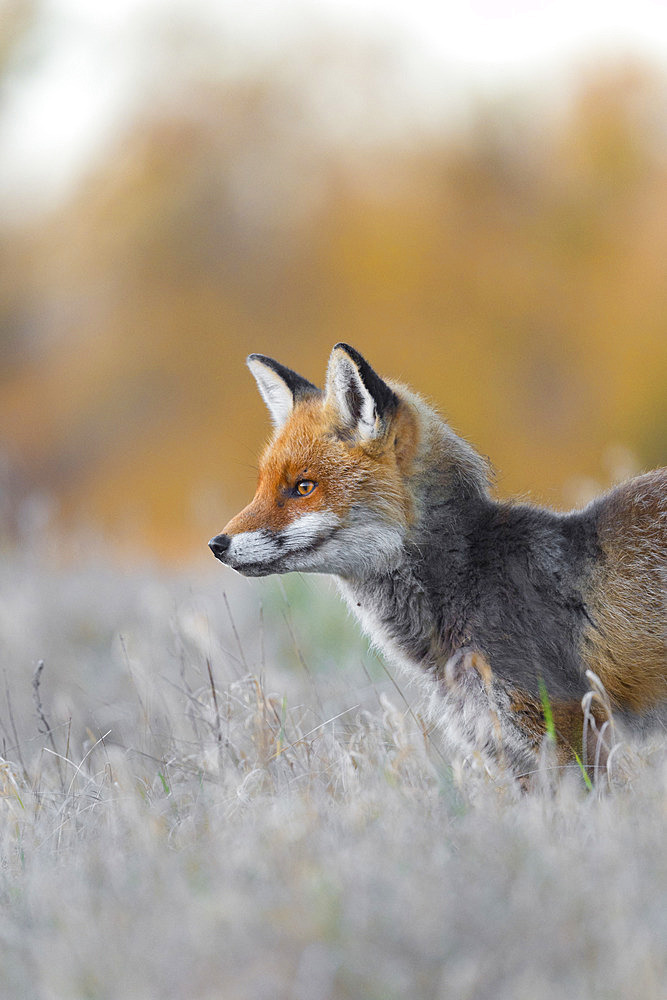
{"points": [[221, 795]]}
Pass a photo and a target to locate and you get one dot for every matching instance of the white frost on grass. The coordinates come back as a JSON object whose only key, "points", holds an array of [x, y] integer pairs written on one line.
{"points": [[251, 844]]}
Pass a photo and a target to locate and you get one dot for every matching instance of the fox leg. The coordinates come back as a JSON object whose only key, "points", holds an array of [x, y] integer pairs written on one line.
{"points": [[485, 714], [476, 712]]}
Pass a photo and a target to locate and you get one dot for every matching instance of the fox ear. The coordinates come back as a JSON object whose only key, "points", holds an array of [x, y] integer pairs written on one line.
{"points": [[280, 387], [362, 401]]}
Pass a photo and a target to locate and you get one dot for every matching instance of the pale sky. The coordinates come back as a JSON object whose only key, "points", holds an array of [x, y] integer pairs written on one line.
{"points": [[87, 61]]}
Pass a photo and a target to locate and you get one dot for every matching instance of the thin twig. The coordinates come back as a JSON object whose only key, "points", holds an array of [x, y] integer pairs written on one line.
{"points": [[424, 731], [218, 727], [310, 732], [46, 730], [302, 660], [15, 733], [236, 634]]}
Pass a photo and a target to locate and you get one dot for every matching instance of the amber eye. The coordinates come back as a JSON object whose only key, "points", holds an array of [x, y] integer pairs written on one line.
{"points": [[305, 487]]}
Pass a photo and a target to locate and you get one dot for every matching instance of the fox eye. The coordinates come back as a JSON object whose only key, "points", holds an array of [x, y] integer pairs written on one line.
{"points": [[304, 487]]}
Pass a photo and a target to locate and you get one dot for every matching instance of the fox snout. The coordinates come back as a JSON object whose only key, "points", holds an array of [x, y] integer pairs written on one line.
{"points": [[219, 545]]}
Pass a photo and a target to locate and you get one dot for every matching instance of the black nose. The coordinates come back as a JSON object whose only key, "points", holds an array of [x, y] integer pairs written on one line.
{"points": [[219, 545]]}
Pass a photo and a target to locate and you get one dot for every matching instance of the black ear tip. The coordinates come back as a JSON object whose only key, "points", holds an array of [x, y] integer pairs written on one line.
{"points": [[345, 347], [384, 397], [297, 384], [352, 354]]}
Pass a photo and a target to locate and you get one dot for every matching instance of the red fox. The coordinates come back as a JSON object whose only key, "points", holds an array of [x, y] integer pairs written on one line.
{"points": [[500, 607]]}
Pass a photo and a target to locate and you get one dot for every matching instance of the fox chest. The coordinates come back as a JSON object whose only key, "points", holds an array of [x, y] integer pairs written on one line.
{"points": [[475, 710]]}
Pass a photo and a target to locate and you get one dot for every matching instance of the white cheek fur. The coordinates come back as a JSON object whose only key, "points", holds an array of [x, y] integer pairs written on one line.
{"points": [[362, 546], [309, 528], [263, 546]]}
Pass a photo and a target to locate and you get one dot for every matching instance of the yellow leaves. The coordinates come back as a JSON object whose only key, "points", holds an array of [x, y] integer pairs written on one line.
{"points": [[514, 273]]}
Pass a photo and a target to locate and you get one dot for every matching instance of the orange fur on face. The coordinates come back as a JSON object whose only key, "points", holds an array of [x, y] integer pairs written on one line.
{"points": [[346, 473]]}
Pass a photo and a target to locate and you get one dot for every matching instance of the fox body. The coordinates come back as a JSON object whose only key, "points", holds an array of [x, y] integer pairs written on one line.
{"points": [[491, 603]]}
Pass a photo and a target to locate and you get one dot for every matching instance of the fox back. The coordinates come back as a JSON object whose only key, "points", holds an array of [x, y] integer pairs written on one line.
{"points": [[501, 608]]}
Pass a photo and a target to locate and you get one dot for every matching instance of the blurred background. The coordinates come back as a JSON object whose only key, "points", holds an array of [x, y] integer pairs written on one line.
{"points": [[475, 196]]}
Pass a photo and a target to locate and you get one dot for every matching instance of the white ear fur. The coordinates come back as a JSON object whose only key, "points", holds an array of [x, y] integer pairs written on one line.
{"points": [[354, 404], [274, 390]]}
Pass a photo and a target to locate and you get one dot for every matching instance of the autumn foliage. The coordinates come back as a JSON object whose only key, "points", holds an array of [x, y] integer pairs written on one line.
{"points": [[512, 269]]}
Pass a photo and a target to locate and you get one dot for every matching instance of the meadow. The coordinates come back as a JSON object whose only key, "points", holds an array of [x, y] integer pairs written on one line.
{"points": [[211, 788]]}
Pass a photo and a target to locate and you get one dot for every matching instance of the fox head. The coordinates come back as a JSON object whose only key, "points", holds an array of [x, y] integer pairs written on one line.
{"points": [[332, 494]]}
